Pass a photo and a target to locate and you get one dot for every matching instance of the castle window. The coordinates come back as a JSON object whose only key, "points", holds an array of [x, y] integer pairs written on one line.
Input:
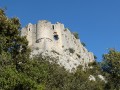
{"points": [[29, 29], [53, 27], [56, 37]]}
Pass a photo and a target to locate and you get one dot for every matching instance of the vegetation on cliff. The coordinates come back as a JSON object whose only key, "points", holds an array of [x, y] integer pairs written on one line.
{"points": [[19, 72]]}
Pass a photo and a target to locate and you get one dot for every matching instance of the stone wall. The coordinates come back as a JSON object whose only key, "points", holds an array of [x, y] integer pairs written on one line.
{"points": [[57, 41]]}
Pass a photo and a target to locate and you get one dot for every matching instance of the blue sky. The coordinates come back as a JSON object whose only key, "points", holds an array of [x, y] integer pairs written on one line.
{"points": [[96, 21]]}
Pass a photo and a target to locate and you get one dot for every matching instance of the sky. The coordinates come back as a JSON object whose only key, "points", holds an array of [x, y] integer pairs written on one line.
{"points": [[96, 21]]}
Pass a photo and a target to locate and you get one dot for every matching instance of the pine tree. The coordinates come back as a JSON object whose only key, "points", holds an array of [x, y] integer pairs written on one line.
{"points": [[111, 65]]}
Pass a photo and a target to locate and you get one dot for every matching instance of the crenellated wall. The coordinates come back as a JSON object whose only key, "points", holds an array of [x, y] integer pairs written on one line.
{"points": [[57, 41]]}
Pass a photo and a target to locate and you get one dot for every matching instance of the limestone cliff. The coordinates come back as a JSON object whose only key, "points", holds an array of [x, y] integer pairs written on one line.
{"points": [[56, 41]]}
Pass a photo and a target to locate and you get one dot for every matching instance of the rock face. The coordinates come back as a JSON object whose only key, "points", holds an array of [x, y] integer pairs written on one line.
{"points": [[56, 41]]}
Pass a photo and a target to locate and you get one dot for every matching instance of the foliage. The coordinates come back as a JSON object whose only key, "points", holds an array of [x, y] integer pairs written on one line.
{"points": [[19, 72], [13, 51], [78, 55], [65, 29], [10, 39], [111, 65], [55, 52], [95, 57], [71, 50], [76, 35], [83, 44]]}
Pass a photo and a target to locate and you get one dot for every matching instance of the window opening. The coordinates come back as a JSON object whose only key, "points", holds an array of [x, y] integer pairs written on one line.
{"points": [[56, 37], [53, 27]]}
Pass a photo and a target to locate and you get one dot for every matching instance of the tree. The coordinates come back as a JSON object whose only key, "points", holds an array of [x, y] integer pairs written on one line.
{"points": [[19, 72], [76, 35], [83, 44], [111, 65], [13, 51], [10, 39]]}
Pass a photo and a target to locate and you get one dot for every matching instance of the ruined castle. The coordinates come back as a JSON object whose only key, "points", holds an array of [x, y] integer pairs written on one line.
{"points": [[56, 41]]}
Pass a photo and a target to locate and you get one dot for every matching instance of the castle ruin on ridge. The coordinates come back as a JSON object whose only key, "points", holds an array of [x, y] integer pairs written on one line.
{"points": [[56, 41]]}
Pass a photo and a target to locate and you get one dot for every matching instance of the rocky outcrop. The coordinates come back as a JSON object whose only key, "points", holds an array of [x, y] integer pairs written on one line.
{"points": [[56, 41]]}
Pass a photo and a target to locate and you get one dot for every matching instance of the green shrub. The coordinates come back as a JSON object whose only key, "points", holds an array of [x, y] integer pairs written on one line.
{"points": [[76, 35], [78, 55], [83, 44], [71, 50]]}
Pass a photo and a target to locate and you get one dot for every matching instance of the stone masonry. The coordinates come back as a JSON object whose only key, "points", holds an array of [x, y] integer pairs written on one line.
{"points": [[56, 41]]}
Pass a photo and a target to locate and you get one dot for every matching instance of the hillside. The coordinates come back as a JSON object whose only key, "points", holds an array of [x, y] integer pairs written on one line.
{"points": [[56, 41], [18, 71]]}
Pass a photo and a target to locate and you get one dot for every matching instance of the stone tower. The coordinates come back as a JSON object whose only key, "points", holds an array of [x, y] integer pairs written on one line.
{"points": [[57, 41]]}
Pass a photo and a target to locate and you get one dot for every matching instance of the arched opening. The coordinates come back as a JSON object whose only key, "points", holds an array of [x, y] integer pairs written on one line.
{"points": [[56, 37]]}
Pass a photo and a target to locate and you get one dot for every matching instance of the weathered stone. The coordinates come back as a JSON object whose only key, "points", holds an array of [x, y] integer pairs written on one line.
{"points": [[92, 78], [57, 41]]}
